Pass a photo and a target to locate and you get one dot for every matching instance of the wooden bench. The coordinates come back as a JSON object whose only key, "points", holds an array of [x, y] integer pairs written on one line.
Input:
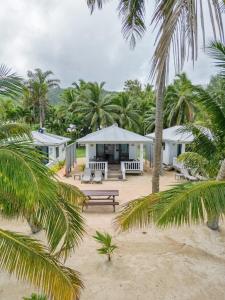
{"points": [[100, 197]]}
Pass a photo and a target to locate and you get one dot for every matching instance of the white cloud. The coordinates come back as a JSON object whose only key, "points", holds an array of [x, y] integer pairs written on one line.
{"points": [[62, 36]]}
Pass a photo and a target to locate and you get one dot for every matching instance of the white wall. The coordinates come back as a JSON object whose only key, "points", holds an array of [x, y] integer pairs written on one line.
{"points": [[52, 152], [133, 151], [170, 152], [92, 151]]}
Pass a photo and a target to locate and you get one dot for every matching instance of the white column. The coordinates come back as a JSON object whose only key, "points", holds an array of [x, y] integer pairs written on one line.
{"points": [[87, 155], [142, 157]]}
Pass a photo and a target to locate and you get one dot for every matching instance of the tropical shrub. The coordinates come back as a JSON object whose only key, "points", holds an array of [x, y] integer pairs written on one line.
{"points": [[105, 240]]}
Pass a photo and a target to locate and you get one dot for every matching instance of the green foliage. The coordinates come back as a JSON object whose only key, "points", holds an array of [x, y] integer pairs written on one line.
{"points": [[35, 297], [28, 188], [188, 203], [180, 102], [105, 240], [58, 166], [80, 152]]}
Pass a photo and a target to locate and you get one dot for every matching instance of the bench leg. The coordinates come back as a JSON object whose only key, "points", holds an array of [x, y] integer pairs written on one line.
{"points": [[114, 207]]}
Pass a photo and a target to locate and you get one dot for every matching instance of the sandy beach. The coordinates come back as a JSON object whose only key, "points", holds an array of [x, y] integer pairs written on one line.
{"points": [[185, 263]]}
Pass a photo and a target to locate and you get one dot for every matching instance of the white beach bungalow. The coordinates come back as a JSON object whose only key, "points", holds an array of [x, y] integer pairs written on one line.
{"points": [[54, 146], [174, 143], [113, 146]]}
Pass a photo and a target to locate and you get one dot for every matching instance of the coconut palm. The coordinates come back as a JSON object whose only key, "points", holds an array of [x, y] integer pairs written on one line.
{"points": [[95, 105], [29, 189], [191, 202], [128, 115], [38, 84], [178, 33], [180, 101]]}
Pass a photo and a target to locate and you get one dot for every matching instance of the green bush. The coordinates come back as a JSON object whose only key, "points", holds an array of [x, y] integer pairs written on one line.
{"points": [[58, 166]]}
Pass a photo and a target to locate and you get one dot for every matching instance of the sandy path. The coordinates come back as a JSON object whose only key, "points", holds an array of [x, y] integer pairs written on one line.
{"points": [[186, 263]]}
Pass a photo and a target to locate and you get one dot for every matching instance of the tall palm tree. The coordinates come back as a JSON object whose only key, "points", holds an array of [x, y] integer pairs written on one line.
{"points": [[128, 115], [190, 202], [95, 105], [177, 21], [180, 101], [29, 189], [38, 84]]}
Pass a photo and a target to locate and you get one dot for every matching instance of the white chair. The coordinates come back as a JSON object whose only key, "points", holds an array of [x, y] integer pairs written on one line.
{"points": [[86, 176], [97, 177]]}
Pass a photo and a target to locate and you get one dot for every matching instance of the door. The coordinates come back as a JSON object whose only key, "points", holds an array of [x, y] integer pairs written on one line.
{"points": [[124, 152], [109, 152]]}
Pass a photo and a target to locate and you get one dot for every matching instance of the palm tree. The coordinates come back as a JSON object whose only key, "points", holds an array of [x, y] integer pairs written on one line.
{"points": [[180, 102], [178, 33], [38, 84], [29, 189], [95, 105], [128, 115], [190, 202]]}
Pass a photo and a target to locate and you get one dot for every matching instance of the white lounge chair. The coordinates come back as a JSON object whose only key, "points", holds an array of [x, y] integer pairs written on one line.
{"points": [[97, 177], [187, 175], [86, 176], [201, 178]]}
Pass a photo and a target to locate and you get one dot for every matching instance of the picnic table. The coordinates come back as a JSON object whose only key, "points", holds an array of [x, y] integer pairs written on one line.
{"points": [[101, 197]]}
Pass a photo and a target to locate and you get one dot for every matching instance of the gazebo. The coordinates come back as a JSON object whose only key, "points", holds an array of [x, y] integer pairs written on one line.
{"points": [[114, 146]]}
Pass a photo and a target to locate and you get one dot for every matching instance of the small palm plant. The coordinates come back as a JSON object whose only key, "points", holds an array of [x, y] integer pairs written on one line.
{"points": [[105, 240], [35, 297]]}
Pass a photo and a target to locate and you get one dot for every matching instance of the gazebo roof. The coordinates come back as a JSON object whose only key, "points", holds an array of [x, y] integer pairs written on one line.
{"points": [[48, 139], [174, 134], [114, 135]]}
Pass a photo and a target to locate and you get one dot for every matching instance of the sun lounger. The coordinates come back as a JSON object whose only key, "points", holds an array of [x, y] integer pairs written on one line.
{"points": [[201, 178], [97, 177], [86, 176], [187, 175]]}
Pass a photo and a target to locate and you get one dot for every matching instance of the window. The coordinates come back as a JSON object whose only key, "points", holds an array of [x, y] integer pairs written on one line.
{"points": [[163, 146], [57, 152]]}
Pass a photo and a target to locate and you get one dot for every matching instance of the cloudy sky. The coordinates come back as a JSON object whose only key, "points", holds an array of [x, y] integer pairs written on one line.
{"points": [[63, 37]]}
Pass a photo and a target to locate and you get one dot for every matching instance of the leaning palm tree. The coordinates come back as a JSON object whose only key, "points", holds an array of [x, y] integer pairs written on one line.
{"points": [[177, 21], [191, 202], [38, 84], [29, 189], [95, 105]]}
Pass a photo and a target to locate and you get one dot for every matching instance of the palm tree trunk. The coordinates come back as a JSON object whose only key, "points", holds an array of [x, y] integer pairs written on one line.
{"points": [[42, 113], [157, 159], [213, 221]]}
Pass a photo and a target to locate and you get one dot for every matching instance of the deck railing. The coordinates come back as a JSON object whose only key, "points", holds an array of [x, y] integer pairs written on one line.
{"points": [[129, 166], [100, 166]]}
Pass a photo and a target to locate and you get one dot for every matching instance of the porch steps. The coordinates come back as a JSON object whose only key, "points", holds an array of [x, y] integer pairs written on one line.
{"points": [[114, 173]]}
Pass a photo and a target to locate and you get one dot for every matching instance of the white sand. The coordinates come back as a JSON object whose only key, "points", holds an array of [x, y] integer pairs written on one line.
{"points": [[152, 264]]}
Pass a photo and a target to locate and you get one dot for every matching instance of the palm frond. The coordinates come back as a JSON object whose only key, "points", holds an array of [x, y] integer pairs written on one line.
{"points": [[10, 83], [183, 204], [28, 260], [217, 51], [14, 131], [132, 13]]}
